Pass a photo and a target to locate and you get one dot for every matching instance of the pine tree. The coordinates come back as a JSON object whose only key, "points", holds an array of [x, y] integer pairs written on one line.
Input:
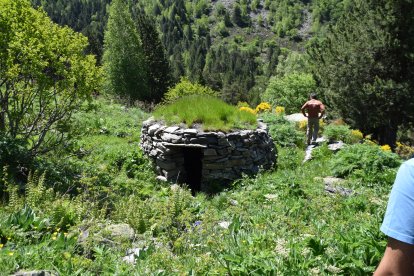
{"points": [[158, 68], [124, 58], [365, 66]]}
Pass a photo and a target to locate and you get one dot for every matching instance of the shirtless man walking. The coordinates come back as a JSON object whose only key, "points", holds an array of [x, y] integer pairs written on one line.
{"points": [[313, 110]]}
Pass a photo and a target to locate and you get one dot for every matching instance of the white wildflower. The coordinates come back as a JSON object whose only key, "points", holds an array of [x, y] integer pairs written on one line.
{"points": [[271, 196], [315, 271], [334, 269], [330, 250], [281, 248], [224, 224], [306, 251]]}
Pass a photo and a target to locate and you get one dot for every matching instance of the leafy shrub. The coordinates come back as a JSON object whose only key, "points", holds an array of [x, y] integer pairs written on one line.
{"points": [[337, 132], [14, 155], [211, 112], [283, 132], [187, 88], [322, 152], [290, 91], [137, 165], [355, 136], [263, 107], [289, 158], [369, 163], [404, 151]]}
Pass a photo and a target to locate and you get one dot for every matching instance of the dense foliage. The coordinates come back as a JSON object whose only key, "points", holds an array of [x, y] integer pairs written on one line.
{"points": [[124, 59], [365, 67], [44, 76]]}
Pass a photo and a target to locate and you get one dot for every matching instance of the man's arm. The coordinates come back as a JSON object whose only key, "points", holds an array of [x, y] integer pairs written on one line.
{"points": [[398, 259], [322, 109], [303, 109]]}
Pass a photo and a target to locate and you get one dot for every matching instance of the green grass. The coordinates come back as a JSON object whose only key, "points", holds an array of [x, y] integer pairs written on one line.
{"points": [[211, 113], [279, 223]]}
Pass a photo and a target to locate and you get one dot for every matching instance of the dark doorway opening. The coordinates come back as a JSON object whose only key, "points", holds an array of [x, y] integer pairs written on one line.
{"points": [[193, 168]]}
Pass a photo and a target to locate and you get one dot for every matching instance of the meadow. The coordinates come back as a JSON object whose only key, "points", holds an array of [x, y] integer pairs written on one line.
{"points": [[279, 222]]}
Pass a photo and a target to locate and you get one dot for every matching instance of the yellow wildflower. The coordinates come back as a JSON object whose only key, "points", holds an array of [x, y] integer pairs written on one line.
{"points": [[247, 109], [303, 124], [386, 148], [263, 107], [279, 110], [54, 238], [10, 253], [357, 134], [1, 245]]}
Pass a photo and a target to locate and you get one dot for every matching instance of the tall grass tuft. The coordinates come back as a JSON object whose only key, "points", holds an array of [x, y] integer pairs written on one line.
{"points": [[210, 112]]}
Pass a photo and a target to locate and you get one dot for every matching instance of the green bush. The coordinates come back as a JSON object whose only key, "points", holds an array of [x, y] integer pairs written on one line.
{"points": [[290, 91], [187, 88], [211, 112], [283, 132], [337, 132], [368, 163]]}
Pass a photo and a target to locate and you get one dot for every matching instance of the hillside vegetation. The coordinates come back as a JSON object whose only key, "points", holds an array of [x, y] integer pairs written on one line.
{"points": [[79, 197]]}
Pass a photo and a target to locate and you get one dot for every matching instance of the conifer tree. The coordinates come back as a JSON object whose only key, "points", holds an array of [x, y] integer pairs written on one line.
{"points": [[365, 66], [124, 58], [159, 76]]}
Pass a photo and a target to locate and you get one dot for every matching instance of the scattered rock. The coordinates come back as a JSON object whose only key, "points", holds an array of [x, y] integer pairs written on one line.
{"points": [[35, 273], [234, 202], [295, 117], [336, 146], [161, 178], [120, 231], [338, 190]]}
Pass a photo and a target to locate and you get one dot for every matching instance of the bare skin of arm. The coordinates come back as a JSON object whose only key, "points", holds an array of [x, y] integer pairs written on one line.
{"points": [[398, 259], [303, 110]]}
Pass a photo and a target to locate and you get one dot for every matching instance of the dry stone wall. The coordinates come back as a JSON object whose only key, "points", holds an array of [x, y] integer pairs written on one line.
{"points": [[224, 156]]}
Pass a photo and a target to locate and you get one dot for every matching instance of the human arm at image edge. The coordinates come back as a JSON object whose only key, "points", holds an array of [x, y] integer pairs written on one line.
{"points": [[398, 259], [398, 225]]}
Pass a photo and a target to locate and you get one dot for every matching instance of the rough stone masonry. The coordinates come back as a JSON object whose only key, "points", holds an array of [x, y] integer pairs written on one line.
{"points": [[223, 157]]}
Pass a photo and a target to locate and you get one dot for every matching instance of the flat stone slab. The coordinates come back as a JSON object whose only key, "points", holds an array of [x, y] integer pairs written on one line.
{"points": [[295, 117], [185, 145]]}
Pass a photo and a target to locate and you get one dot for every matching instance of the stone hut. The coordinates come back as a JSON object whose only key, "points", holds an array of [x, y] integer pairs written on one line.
{"points": [[198, 158]]}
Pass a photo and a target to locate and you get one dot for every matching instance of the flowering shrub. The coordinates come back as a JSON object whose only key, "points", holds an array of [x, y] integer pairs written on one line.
{"points": [[279, 110], [356, 136], [263, 107], [386, 148], [337, 132], [404, 151], [248, 109], [303, 124]]}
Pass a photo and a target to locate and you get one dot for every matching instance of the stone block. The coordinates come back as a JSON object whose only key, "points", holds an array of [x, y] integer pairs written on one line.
{"points": [[210, 152], [171, 129], [152, 129], [166, 165]]}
